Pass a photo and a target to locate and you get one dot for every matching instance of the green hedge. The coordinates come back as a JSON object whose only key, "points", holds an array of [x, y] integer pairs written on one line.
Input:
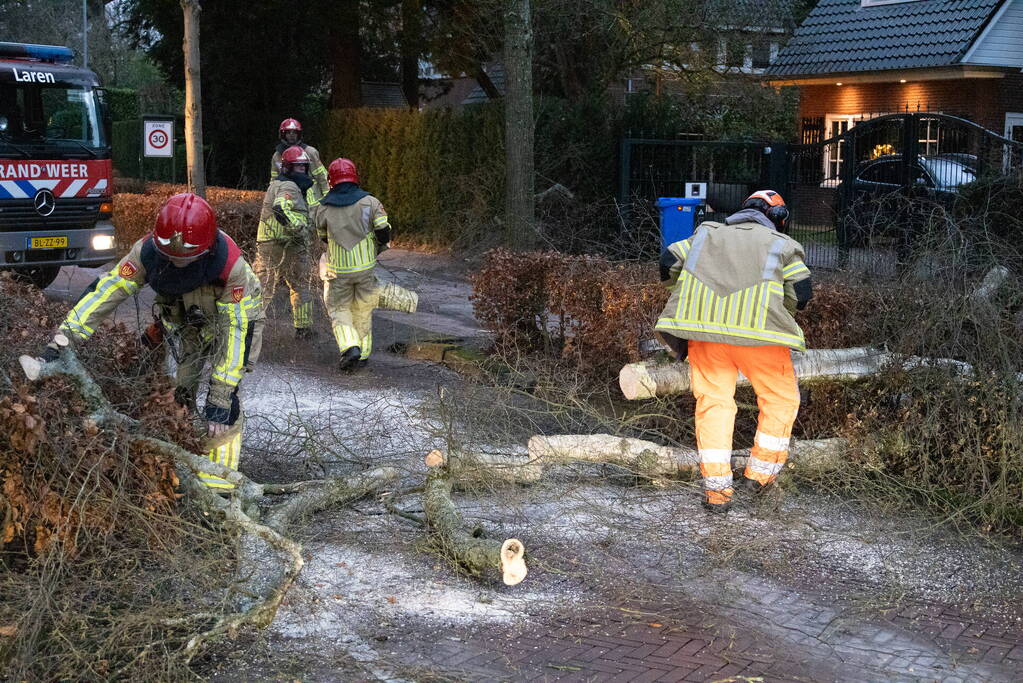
{"points": [[123, 103], [434, 171], [126, 145]]}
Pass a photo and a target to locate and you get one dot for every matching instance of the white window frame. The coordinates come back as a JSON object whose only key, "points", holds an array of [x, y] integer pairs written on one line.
{"points": [[829, 120]]}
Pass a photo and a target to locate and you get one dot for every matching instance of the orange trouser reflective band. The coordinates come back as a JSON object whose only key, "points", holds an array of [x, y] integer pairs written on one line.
{"points": [[715, 368]]}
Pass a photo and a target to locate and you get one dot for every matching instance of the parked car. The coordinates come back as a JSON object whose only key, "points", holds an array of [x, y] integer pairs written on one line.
{"points": [[877, 205]]}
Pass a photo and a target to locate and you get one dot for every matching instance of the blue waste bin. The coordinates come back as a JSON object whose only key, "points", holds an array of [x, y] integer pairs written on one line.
{"points": [[679, 217]]}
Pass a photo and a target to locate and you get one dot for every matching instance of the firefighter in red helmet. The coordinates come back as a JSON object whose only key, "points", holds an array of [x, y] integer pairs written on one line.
{"points": [[353, 224], [284, 236], [207, 299], [290, 134]]}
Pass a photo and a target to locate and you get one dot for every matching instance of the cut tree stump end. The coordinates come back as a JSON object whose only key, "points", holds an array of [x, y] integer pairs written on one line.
{"points": [[513, 562]]}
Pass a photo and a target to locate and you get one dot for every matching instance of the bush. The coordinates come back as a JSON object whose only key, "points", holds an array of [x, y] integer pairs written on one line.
{"points": [[432, 170], [237, 213], [589, 312], [594, 313], [98, 555]]}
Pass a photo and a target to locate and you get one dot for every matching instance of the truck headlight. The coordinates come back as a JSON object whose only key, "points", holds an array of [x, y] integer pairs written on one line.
{"points": [[102, 242]]}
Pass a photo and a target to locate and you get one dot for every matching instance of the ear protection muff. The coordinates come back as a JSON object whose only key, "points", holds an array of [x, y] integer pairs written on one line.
{"points": [[779, 215]]}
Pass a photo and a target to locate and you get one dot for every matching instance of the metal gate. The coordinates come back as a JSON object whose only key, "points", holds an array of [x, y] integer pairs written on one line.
{"points": [[857, 198]]}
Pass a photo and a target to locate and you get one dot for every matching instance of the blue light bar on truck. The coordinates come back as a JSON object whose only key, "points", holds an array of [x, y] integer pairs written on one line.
{"points": [[42, 53]]}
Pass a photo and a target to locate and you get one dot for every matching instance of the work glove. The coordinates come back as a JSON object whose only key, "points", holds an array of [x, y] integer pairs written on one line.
{"points": [[50, 353], [383, 236], [183, 396], [280, 216]]}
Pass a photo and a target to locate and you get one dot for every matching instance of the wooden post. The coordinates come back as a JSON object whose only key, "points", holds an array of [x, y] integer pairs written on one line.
{"points": [[518, 123], [193, 99]]}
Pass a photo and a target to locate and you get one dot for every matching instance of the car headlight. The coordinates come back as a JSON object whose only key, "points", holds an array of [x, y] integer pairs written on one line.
{"points": [[102, 242]]}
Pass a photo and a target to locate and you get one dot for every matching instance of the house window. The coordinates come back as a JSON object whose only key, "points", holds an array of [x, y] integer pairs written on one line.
{"points": [[835, 125], [762, 54], [929, 137]]}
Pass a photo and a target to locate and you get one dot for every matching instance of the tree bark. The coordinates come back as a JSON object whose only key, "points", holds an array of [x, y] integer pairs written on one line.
{"points": [[193, 99], [346, 56], [647, 380], [518, 123], [411, 47], [469, 550]]}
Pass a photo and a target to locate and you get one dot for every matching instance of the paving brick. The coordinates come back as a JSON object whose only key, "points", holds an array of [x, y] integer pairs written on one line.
{"points": [[678, 674], [669, 648]]}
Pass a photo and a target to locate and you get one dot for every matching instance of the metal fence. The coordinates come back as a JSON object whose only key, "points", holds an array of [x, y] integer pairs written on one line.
{"points": [[858, 194]]}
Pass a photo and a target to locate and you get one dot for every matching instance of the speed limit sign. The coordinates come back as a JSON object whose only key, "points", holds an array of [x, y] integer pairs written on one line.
{"points": [[158, 138]]}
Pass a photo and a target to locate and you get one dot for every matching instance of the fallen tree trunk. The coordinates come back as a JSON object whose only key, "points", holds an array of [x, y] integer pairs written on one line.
{"points": [[476, 554], [654, 461], [482, 469], [652, 379]]}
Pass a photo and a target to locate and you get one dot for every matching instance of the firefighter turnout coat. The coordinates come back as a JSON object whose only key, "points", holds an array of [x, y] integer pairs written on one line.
{"points": [[316, 169], [212, 306], [734, 283], [282, 246], [348, 220]]}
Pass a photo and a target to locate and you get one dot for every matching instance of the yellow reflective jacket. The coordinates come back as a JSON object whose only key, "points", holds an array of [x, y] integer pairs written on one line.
{"points": [[348, 231], [316, 171], [734, 284], [229, 308], [283, 199]]}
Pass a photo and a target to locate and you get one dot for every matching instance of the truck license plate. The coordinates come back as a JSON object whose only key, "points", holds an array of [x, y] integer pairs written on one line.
{"points": [[48, 242]]}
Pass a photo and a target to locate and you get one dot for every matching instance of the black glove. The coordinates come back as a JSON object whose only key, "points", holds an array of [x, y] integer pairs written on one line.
{"points": [[183, 396], [194, 316], [224, 416], [281, 217], [383, 236], [50, 354]]}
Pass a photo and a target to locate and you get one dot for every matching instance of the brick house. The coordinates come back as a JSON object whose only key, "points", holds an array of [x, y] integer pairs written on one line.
{"points": [[856, 59]]}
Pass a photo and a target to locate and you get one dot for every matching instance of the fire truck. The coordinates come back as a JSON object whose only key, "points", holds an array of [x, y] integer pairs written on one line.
{"points": [[56, 187]]}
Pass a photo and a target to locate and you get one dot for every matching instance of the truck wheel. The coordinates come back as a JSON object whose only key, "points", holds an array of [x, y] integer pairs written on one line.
{"points": [[40, 276]]}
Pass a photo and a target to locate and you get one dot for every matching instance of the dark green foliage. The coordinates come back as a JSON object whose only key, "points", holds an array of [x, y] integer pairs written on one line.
{"points": [[432, 170], [127, 146], [123, 103]]}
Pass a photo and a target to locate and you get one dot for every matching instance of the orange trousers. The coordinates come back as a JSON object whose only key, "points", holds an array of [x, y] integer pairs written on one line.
{"points": [[715, 368]]}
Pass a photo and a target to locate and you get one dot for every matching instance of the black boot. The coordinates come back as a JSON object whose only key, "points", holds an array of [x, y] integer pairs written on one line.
{"points": [[349, 359], [304, 333], [751, 486]]}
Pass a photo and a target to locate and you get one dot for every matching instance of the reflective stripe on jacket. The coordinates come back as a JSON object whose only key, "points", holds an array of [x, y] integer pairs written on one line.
{"points": [[734, 284], [287, 198], [348, 230], [228, 309], [316, 171]]}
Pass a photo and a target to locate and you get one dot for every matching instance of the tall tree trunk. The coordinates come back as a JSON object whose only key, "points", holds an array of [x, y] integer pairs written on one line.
{"points": [[518, 123], [346, 56], [193, 100], [411, 47]]}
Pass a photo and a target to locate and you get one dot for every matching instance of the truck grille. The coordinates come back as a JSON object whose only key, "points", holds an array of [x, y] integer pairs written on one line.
{"points": [[19, 214]]}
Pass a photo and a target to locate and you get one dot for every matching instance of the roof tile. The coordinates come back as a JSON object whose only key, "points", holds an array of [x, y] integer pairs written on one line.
{"points": [[840, 36]]}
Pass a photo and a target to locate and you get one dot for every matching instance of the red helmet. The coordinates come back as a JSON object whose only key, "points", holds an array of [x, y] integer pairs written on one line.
{"points": [[342, 171], [294, 155], [290, 124], [186, 228]]}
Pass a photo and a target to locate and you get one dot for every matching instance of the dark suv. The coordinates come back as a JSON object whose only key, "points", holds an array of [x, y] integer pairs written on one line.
{"points": [[877, 206]]}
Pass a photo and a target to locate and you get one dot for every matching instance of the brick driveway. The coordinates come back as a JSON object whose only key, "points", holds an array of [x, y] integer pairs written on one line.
{"points": [[786, 636]]}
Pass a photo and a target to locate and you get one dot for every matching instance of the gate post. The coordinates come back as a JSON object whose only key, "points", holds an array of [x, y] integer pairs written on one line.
{"points": [[778, 168], [624, 171]]}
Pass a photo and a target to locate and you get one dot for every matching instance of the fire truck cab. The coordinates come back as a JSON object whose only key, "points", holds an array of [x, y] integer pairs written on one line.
{"points": [[56, 185]]}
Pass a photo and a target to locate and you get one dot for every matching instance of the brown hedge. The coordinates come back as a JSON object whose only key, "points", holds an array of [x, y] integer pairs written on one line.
{"points": [[237, 212], [593, 313]]}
